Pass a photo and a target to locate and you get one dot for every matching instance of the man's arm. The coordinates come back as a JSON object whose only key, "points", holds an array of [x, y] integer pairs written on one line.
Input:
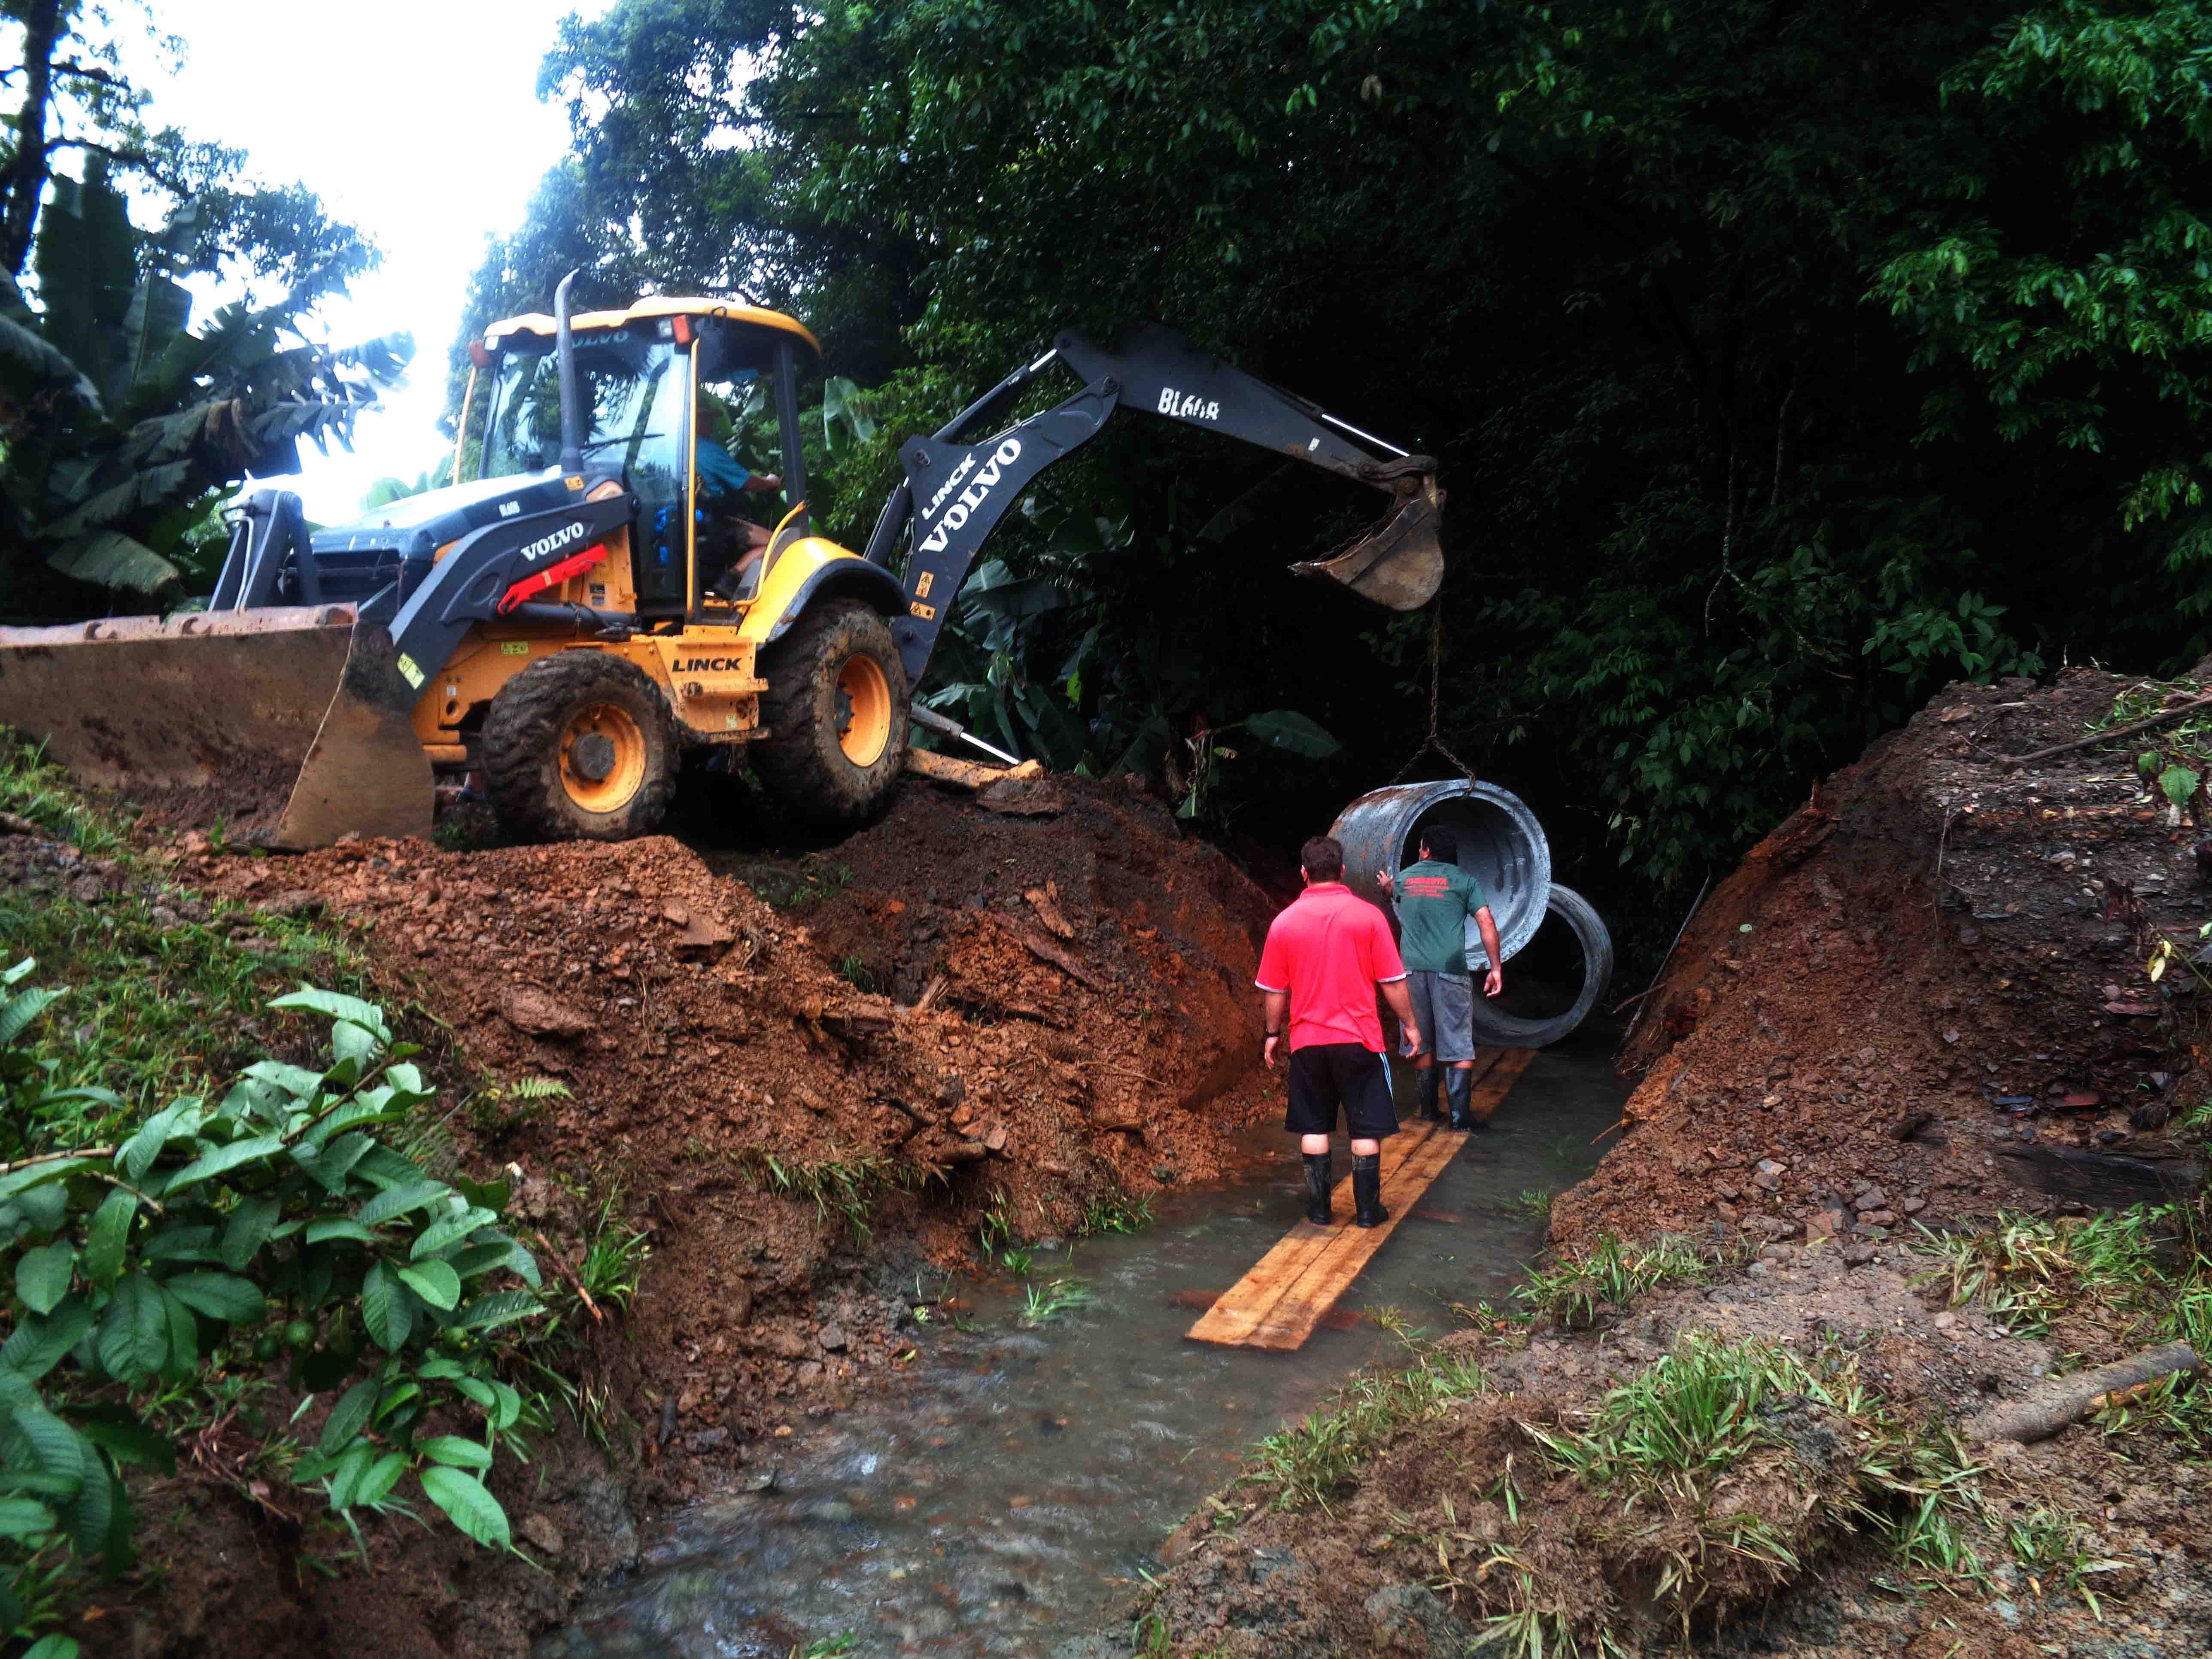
{"points": [[1495, 983], [1402, 1004], [1276, 1010]]}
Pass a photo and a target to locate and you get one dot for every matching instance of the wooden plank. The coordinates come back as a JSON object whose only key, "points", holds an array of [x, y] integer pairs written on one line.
{"points": [[1246, 1303], [965, 773], [1291, 1288], [1300, 1307]]}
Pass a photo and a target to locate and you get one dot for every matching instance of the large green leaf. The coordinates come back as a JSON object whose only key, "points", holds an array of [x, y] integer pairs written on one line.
{"points": [[249, 1228], [24, 1517], [387, 1308], [126, 1436], [1286, 728], [349, 1417], [222, 1159], [133, 1339], [398, 1200], [112, 559], [36, 1346], [436, 1282], [42, 1276], [457, 1451], [107, 1234], [219, 1296], [471, 1509]]}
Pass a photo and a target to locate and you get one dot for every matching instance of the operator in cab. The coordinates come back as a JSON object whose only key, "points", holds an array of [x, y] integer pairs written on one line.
{"points": [[727, 536]]}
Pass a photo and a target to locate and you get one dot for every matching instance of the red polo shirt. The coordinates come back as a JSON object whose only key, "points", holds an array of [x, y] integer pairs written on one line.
{"points": [[1329, 951]]}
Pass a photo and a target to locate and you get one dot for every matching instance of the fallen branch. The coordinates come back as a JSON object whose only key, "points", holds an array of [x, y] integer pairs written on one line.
{"points": [[2042, 1415], [574, 1283], [55, 1158], [2180, 711]]}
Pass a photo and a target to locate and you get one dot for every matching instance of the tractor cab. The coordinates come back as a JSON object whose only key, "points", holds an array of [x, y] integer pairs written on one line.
{"points": [[655, 383]]}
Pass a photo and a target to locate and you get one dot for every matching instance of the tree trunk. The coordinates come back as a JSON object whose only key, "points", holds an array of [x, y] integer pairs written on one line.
{"points": [[24, 181]]}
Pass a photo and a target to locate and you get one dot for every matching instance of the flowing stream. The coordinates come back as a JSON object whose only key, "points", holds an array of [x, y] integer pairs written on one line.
{"points": [[1006, 1493]]}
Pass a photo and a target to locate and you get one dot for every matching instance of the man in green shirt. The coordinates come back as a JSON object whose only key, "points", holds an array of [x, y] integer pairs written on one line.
{"points": [[1435, 897]]}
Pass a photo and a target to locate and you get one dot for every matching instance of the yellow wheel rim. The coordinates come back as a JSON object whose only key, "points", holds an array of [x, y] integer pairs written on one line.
{"points": [[864, 710], [602, 758]]}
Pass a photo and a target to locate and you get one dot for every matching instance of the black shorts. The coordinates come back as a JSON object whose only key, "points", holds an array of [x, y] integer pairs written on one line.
{"points": [[1325, 1074]]}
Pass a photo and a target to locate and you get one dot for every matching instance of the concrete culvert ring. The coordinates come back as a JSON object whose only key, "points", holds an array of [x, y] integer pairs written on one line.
{"points": [[1501, 845], [1570, 955]]}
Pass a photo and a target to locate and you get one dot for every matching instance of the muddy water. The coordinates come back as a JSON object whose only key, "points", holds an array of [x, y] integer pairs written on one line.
{"points": [[1007, 1493]]}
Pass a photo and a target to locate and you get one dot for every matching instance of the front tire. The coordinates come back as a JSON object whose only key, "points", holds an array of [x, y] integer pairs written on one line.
{"points": [[835, 709], [580, 746]]}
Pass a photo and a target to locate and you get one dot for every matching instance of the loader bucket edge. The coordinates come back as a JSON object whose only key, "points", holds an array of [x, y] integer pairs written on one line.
{"points": [[207, 719]]}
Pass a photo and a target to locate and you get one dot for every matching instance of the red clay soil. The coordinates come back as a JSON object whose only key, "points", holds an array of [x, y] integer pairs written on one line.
{"points": [[725, 1077], [1923, 996]]}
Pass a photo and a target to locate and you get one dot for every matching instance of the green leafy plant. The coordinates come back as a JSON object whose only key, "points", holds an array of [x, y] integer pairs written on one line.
{"points": [[1054, 1298], [276, 1223]]}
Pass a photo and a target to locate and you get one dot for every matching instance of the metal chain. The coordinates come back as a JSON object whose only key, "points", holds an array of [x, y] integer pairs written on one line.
{"points": [[1435, 739]]}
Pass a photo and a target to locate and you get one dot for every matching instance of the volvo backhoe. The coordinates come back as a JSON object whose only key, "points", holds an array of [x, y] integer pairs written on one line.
{"points": [[569, 619]]}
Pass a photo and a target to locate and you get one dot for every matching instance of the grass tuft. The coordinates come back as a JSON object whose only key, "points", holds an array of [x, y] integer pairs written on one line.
{"points": [[1569, 1291]]}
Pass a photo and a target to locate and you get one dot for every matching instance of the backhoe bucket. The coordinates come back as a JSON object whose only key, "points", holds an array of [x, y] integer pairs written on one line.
{"points": [[287, 725], [1400, 563]]}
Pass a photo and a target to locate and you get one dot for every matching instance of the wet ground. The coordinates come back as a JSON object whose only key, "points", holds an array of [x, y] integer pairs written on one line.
{"points": [[1007, 1494]]}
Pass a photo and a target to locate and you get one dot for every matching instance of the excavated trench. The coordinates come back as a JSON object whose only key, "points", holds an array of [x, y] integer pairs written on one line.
{"points": [[1007, 1493]]}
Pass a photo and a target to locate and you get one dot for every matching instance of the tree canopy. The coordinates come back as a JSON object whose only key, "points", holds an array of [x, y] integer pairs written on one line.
{"points": [[121, 425], [1784, 360]]}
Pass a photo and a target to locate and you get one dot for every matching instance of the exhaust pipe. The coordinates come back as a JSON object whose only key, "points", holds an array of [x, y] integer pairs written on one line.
{"points": [[572, 408]]}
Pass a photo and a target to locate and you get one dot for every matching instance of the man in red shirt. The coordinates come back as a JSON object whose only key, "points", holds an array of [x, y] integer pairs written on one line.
{"points": [[1325, 957]]}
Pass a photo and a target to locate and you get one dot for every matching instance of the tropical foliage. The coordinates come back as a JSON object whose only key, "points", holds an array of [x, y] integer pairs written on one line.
{"points": [[122, 426], [175, 1267], [1783, 361]]}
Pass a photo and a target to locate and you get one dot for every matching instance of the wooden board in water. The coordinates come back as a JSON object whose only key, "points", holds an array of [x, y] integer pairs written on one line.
{"points": [[1289, 1289]]}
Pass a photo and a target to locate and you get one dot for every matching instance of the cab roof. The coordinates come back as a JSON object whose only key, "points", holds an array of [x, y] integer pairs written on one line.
{"points": [[655, 305]]}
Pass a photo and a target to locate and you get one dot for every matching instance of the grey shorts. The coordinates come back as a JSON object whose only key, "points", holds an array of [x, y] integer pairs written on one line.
{"points": [[1444, 1007]]}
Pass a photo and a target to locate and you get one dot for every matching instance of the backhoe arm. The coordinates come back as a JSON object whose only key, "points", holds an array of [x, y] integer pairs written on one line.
{"points": [[956, 492]]}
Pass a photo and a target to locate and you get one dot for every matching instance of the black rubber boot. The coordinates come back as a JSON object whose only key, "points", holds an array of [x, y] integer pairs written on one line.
{"points": [[1460, 1089], [1430, 1113], [1320, 1177], [1367, 1190]]}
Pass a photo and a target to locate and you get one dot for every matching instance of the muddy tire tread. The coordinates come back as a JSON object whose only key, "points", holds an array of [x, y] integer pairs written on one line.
{"points": [[807, 777], [521, 736]]}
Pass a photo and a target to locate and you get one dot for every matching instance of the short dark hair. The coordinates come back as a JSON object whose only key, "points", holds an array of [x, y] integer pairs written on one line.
{"points": [[1321, 859], [1442, 845]]}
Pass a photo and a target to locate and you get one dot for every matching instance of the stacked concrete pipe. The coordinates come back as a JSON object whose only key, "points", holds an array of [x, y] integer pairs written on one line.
{"points": [[1504, 847]]}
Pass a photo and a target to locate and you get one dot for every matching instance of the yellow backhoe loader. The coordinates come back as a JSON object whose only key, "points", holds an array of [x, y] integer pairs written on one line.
{"points": [[569, 620]]}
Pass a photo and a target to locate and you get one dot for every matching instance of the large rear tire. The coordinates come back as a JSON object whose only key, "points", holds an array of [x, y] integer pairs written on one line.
{"points": [[835, 709], [580, 746]]}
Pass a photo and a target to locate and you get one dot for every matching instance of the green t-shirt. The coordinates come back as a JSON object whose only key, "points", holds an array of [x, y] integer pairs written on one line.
{"points": [[1434, 901]]}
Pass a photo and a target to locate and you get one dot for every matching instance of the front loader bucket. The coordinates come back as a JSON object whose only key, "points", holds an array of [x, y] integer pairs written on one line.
{"points": [[1400, 563], [287, 725]]}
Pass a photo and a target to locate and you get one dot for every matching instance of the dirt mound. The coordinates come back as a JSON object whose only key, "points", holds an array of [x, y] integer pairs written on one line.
{"points": [[1069, 986], [1457, 1520], [1923, 996]]}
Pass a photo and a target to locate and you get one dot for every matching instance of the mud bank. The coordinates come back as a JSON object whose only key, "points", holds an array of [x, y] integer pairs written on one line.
{"points": [[1929, 987], [1922, 999], [1076, 987]]}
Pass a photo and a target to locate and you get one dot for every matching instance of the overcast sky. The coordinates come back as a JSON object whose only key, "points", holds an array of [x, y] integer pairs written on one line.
{"points": [[416, 120]]}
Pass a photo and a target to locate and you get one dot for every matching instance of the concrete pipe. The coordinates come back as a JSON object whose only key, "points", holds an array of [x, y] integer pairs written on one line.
{"points": [[1500, 844], [1515, 1020]]}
